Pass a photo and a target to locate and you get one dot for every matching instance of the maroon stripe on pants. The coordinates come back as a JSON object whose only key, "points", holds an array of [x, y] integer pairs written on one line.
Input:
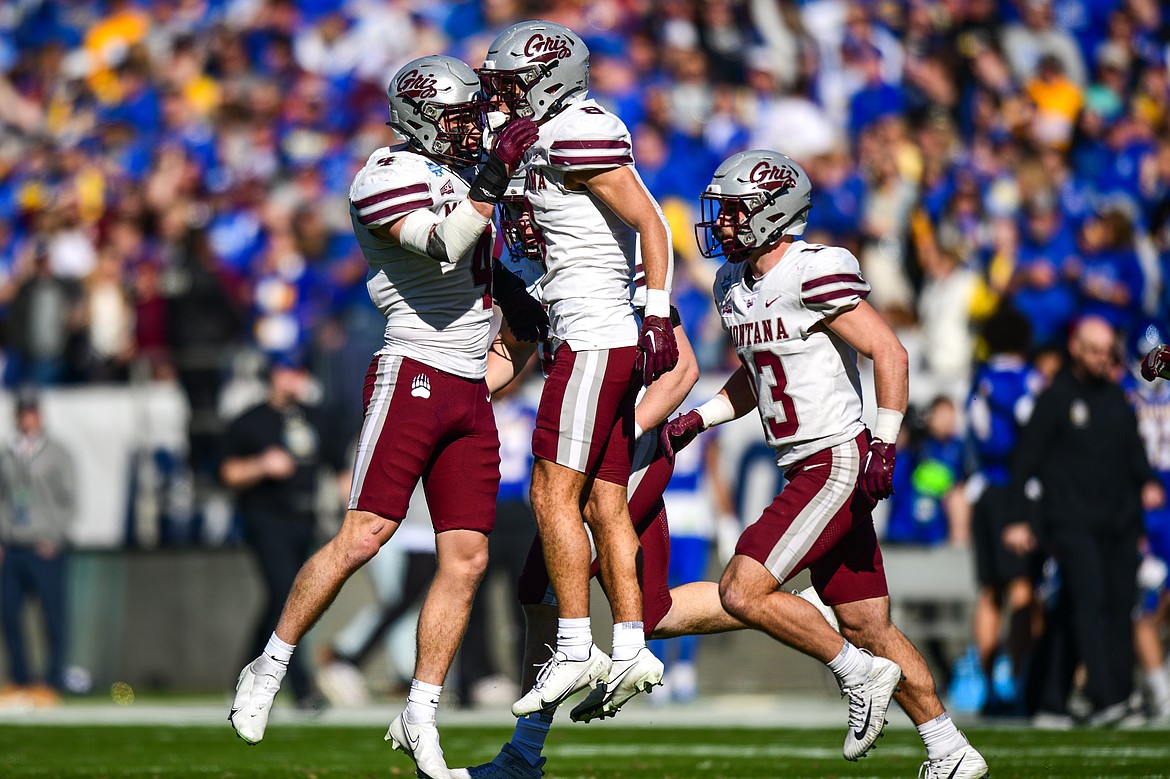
{"points": [[844, 560], [438, 427]]}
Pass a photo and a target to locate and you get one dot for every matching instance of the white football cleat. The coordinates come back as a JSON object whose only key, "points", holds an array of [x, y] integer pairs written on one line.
{"points": [[560, 677], [626, 679], [253, 703], [420, 742], [964, 763], [868, 702]]}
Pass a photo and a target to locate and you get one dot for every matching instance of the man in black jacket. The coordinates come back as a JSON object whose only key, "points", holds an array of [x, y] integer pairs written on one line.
{"points": [[274, 455], [1082, 447]]}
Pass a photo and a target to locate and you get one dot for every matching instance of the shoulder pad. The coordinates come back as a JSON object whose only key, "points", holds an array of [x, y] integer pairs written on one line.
{"points": [[392, 184], [586, 136], [830, 279]]}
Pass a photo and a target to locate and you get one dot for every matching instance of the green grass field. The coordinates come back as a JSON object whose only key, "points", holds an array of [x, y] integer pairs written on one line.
{"points": [[576, 752]]}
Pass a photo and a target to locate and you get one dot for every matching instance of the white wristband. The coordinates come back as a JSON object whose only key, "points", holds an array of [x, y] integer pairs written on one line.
{"points": [[716, 411], [461, 229], [889, 422], [416, 230], [637, 431], [657, 302]]}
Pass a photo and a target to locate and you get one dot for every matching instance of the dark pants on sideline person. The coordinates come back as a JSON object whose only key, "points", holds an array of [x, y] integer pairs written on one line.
{"points": [[1093, 620], [24, 573], [281, 544]]}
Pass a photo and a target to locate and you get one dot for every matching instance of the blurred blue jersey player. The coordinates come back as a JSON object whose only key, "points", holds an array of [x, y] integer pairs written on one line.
{"points": [[1001, 402], [1151, 404]]}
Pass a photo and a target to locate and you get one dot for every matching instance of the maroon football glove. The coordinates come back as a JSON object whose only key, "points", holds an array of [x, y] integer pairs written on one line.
{"points": [[877, 471], [1157, 363], [679, 432], [659, 351], [515, 139]]}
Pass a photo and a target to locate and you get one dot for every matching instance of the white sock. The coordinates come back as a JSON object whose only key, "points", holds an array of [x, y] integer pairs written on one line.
{"points": [[1158, 683], [941, 737], [422, 702], [574, 638], [851, 666], [628, 638], [273, 661]]}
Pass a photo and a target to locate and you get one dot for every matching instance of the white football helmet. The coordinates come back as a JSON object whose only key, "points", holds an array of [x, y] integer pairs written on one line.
{"points": [[436, 103], [535, 68], [755, 198]]}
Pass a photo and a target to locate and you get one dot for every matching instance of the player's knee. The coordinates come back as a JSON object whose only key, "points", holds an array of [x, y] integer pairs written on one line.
{"points": [[734, 598], [362, 535], [360, 551], [467, 561]]}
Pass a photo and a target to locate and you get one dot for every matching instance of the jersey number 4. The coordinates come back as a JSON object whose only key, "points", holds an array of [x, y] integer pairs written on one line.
{"points": [[770, 373]]}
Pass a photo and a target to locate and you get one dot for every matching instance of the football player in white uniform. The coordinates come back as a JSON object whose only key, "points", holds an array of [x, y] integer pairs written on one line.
{"points": [[690, 609], [421, 212], [593, 211], [797, 315]]}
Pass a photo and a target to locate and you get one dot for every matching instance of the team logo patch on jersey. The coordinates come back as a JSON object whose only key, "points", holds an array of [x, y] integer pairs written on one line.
{"points": [[421, 386], [546, 48], [447, 189], [1078, 413]]}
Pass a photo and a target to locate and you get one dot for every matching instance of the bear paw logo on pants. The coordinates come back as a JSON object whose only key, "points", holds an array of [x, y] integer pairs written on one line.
{"points": [[420, 387]]}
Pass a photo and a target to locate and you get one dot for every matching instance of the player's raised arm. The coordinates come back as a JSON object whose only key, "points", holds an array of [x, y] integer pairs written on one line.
{"points": [[448, 238], [738, 397]]}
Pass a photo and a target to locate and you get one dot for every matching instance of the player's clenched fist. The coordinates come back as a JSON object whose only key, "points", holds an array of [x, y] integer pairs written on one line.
{"points": [[877, 471], [658, 349], [1157, 363], [515, 139], [679, 432]]}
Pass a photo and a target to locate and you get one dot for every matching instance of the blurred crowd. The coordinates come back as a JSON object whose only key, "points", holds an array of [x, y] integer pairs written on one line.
{"points": [[173, 172], [173, 177]]}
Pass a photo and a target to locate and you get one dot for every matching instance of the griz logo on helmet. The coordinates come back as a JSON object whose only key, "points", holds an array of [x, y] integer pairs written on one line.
{"points": [[420, 86], [773, 177], [546, 48]]}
